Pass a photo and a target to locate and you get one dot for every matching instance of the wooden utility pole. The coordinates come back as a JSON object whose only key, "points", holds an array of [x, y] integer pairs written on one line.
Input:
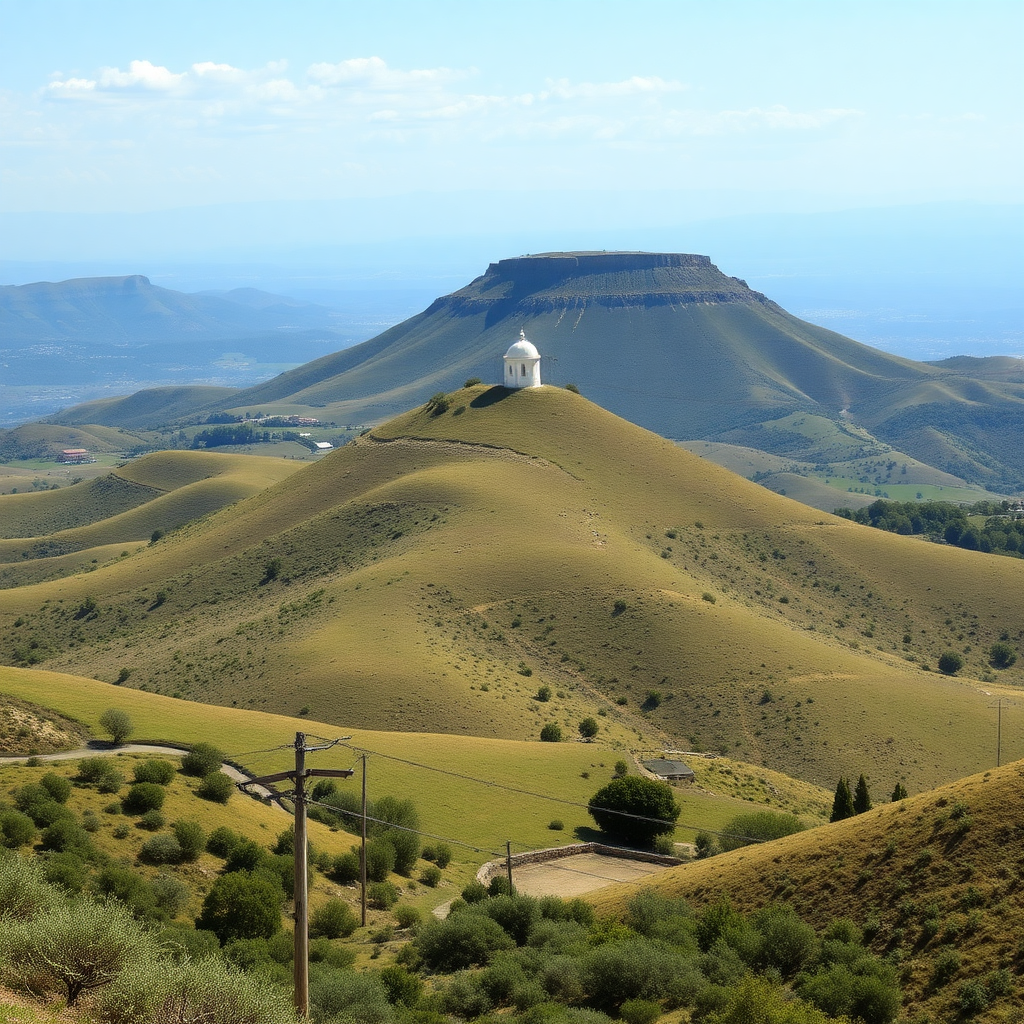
{"points": [[301, 855], [362, 849]]}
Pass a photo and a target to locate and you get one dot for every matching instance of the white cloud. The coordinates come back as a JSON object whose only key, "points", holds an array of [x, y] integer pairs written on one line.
{"points": [[141, 74]]}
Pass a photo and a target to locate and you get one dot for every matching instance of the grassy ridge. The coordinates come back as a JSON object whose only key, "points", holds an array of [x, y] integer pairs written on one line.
{"points": [[431, 576], [935, 880]]}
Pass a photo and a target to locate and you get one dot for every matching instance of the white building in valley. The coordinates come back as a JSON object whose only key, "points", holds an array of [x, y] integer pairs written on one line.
{"points": [[522, 365]]}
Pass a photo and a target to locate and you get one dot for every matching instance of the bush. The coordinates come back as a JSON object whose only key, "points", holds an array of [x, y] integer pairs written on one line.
{"points": [[442, 855], [758, 827], [110, 781], [639, 1011], [118, 724], [201, 759], [431, 876], [152, 821], [332, 920], [382, 895], [407, 915], [222, 841], [439, 403], [621, 769], [460, 941], [588, 728], [142, 797], [380, 859], [345, 868], [191, 838], [634, 809], [66, 835], [154, 770], [57, 786], [1001, 655], [242, 905], [217, 787], [950, 662], [556, 824], [551, 733], [16, 829], [543, 694], [404, 839], [161, 849]]}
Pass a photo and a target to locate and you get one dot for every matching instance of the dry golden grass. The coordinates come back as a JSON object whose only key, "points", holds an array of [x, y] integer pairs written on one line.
{"points": [[422, 571]]}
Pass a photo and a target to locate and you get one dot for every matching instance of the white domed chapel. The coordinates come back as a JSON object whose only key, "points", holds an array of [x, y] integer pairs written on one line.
{"points": [[522, 364]]}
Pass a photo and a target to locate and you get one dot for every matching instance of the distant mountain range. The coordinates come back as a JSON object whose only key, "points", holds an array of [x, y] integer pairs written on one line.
{"points": [[665, 340]]}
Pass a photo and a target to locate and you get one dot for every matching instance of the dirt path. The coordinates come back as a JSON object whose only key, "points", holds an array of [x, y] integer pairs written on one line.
{"points": [[98, 748]]}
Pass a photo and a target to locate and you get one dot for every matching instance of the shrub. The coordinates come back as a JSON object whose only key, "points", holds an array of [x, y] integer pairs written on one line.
{"points": [[333, 920], [222, 841], [708, 596], [556, 825], [242, 905], [161, 849], [439, 403], [191, 838], [382, 895], [345, 868], [66, 834], [431, 876], [1001, 655], [706, 845], [460, 941], [142, 797], [407, 915], [152, 821], [217, 787], [201, 759], [118, 724], [154, 770], [110, 781], [588, 728], [380, 859], [472, 382], [474, 892], [758, 827], [950, 662], [573, 388], [551, 733], [543, 694], [634, 809], [57, 786], [639, 1011], [391, 811], [442, 855], [16, 829]]}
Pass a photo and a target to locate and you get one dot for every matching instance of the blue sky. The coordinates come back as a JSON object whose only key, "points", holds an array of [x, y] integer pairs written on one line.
{"points": [[729, 107]]}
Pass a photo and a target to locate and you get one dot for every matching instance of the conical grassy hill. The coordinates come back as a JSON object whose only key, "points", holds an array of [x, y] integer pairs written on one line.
{"points": [[935, 881], [436, 574]]}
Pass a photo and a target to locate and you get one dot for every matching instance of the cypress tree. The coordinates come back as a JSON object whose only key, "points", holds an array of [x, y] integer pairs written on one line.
{"points": [[861, 797], [899, 793], [842, 805]]}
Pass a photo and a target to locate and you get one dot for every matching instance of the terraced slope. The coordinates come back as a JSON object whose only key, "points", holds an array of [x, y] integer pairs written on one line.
{"points": [[435, 574]]}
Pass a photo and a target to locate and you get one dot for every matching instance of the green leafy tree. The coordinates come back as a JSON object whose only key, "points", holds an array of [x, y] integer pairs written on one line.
{"points": [[333, 920], [634, 810], [588, 728], [1001, 655], [118, 724], [191, 838], [551, 733], [950, 662], [861, 797], [842, 804], [242, 905], [398, 823], [899, 793], [758, 827]]}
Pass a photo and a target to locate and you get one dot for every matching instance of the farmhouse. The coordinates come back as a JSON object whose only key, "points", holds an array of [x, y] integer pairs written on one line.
{"points": [[75, 456], [670, 771], [522, 364]]}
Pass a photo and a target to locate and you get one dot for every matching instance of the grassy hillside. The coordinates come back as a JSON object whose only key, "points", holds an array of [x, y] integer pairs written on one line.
{"points": [[934, 881], [434, 575]]}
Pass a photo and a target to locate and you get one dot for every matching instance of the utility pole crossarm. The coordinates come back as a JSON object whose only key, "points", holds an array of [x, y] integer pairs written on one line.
{"points": [[330, 773], [264, 779]]}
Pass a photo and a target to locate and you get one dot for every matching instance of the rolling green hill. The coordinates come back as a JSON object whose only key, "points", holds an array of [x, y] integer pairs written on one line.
{"points": [[433, 575]]}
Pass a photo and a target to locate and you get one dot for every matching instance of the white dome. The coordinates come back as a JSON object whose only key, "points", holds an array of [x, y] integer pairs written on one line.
{"points": [[522, 349]]}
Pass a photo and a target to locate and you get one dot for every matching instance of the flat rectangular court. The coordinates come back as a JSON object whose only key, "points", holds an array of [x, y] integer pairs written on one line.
{"points": [[575, 875]]}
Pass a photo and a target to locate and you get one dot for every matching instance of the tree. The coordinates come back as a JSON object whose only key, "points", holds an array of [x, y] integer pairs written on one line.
{"points": [[842, 805], [588, 728], [861, 797], [242, 905], [634, 810], [950, 662], [899, 793], [551, 733], [118, 724], [1001, 655], [401, 830], [758, 827]]}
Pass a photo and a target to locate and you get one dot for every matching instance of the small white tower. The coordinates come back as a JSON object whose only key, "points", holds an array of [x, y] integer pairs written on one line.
{"points": [[522, 365]]}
